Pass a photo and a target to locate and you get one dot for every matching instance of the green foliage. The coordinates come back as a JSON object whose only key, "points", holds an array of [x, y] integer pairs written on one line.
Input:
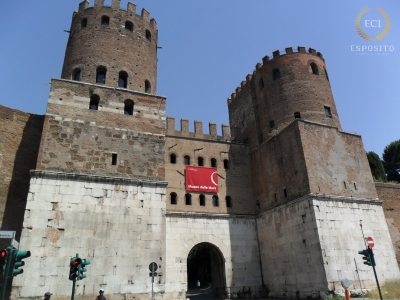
{"points": [[377, 169], [391, 161]]}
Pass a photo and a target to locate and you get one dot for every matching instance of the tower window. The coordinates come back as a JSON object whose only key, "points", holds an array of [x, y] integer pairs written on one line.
{"points": [[101, 75], [297, 115], [94, 102], [200, 161], [147, 86], [215, 200], [172, 197], [314, 69], [188, 199], [202, 200], [271, 125], [213, 163], [77, 75], [285, 192], [261, 83], [226, 164], [128, 107], [123, 80], [114, 159], [148, 34], [186, 160], [276, 74], [129, 26], [172, 159], [105, 21], [328, 112], [83, 23], [228, 201]]}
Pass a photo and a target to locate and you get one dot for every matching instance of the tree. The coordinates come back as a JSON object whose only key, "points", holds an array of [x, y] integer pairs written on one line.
{"points": [[377, 169], [391, 161]]}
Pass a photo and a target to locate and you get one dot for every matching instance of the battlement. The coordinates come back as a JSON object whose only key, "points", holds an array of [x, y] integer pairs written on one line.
{"points": [[270, 59], [116, 5], [198, 130]]}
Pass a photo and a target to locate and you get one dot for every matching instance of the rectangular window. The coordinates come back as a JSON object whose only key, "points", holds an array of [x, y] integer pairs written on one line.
{"points": [[328, 111], [271, 125], [285, 192], [114, 159]]}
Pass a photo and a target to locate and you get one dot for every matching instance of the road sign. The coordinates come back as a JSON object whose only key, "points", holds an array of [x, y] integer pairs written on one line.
{"points": [[345, 283], [151, 274], [370, 242], [153, 267]]}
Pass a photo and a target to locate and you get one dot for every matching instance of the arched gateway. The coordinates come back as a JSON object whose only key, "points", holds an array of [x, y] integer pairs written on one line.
{"points": [[206, 271]]}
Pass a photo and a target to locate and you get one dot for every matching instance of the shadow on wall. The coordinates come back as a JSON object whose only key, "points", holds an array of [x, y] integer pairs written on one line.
{"points": [[25, 160]]}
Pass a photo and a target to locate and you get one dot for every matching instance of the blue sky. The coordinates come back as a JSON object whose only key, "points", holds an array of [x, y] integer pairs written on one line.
{"points": [[208, 48]]}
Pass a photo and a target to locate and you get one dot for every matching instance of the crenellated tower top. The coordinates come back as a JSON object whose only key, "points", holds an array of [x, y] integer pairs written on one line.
{"points": [[289, 85], [111, 46]]}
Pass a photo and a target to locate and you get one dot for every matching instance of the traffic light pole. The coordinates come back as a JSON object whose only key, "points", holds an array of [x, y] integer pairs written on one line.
{"points": [[73, 289], [377, 282]]}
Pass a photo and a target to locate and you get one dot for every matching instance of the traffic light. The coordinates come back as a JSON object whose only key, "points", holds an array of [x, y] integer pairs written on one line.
{"points": [[3, 262], [371, 256], [18, 257], [368, 257], [74, 264], [82, 268]]}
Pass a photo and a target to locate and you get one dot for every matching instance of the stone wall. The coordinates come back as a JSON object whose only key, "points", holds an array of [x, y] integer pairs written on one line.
{"points": [[19, 145], [116, 223], [390, 195], [235, 237], [309, 245]]}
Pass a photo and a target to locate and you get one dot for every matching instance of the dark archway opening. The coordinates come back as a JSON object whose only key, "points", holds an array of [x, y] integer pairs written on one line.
{"points": [[205, 264]]}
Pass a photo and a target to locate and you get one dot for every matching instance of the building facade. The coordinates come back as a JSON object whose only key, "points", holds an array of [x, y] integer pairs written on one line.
{"points": [[107, 177]]}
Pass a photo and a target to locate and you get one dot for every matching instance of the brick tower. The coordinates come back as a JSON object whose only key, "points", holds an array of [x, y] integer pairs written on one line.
{"points": [[99, 180]]}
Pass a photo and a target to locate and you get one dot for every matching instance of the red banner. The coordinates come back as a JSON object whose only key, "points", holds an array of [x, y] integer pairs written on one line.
{"points": [[201, 179]]}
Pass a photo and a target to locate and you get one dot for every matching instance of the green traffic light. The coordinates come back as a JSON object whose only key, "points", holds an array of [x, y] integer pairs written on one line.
{"points": [[366, 257], [18, 257]]}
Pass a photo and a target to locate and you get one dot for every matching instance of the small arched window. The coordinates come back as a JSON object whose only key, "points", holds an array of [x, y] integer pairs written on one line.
{"points": [[188, 199], [200, 161], [77, 75], [276, 74], [123, 79], [213, 163], [261, 83], [128, 26], [228, 201], [202, 200], [173, 198], [297, 115], [101, 75], [172, 158], [226, 164], [314, 68], [83, 23], [215, 200], [105, 21], [94, 102], [128, 107], [186, 160], [147, 86], [148, 35]]}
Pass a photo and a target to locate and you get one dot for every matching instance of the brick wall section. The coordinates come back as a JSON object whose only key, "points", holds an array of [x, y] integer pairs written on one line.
{"points": [[19, 145], [112, 46], [83, 147], [234, 182], [254, 105], [336, 162], [71, 99], [390, 195]]}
